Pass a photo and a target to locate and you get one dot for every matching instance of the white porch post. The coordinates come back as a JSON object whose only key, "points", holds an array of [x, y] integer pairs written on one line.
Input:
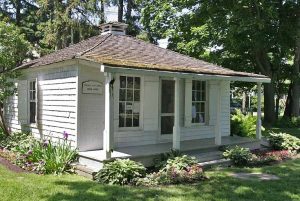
{"points": [[176, 128], [108, 134], [258, 122], [218, 134]]}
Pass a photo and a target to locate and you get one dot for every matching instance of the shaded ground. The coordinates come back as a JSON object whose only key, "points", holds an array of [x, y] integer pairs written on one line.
{"points": [[220, 186]]}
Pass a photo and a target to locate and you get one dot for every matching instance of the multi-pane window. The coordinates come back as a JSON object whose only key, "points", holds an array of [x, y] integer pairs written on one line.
{"points": [[198, 101], [129, 101], [32, 101]]}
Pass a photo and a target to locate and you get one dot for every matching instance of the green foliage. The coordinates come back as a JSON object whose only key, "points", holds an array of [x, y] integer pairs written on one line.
{"points": [[284, 141], [179, 169], [189, 174], [46, 157], [121, 172], [238, 155], [286, 122], [179, 162], [243, 125], [161, 161], [17, 141]]}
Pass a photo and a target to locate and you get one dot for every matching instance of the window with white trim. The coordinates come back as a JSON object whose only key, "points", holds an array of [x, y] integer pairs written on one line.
{"points": [[32, 102], [198, 101], [129, 101]]}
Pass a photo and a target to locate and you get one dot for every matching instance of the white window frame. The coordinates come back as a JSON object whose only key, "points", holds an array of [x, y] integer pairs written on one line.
{"points": [[30, 100], [205, 104], [117, 101]]}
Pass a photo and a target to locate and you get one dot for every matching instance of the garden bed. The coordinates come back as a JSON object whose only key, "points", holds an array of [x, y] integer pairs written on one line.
{"points": [[6, 159]]}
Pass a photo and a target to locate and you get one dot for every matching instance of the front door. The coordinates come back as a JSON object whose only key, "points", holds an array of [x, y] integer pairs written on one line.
{"points": [[167, 107]]}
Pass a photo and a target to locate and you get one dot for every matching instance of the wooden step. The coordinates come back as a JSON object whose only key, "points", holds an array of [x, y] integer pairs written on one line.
{"points": [[84, 171]]}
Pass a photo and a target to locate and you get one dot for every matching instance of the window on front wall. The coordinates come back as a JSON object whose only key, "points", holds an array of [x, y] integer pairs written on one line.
{"points": [[32, 101], [198, 101], [129, 101]]}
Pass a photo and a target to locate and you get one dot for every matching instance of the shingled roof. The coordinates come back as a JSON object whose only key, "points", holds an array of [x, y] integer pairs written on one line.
{"points": [[129, 52]]}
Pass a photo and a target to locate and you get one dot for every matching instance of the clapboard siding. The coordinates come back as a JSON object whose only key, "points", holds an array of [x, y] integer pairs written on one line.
{"points": [[57, 112], [91, 111]]}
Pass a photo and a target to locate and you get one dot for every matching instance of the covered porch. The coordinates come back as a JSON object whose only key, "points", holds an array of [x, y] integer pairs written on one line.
{"points": [[146, 153], [177, 143]]}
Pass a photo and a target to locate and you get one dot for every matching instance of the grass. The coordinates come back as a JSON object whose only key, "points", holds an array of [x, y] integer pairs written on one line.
{"points": [[220, 186]]}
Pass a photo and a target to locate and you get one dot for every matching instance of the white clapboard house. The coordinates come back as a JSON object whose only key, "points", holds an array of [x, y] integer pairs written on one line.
{"points": [[118, 96]]}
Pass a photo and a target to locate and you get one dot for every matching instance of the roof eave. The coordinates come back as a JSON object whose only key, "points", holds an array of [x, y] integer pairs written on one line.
{"points": [[112, 69]]}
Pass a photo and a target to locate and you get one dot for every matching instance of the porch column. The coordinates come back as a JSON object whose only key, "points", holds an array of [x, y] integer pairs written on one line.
{"points": [[218, 134], [258, 122], [108, 134], [176, 128]]}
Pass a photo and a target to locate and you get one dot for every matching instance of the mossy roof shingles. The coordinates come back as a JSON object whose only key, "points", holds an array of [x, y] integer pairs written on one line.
{"points": [[125, 51]]}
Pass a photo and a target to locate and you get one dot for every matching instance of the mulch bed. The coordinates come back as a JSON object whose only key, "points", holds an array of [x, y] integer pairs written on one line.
{"points": [[12, 167]]}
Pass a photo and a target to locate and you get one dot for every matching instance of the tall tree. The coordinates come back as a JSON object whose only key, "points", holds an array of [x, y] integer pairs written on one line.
{"points": [[247, 35], [13, 51]]}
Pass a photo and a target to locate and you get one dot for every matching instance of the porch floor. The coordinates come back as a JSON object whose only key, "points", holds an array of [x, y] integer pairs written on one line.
{"points": [[155, 149]]}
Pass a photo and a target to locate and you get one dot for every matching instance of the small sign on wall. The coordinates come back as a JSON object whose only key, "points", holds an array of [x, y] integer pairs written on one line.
{"points": [[92, 87]]}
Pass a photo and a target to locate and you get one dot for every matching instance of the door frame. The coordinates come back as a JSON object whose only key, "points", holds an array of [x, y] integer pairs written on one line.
{"points": [[164, 137]]}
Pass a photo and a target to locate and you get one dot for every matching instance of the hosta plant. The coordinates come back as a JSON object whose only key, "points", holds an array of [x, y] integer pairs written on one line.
{"points": [[120, 172], [238, 155], [284, 141]]}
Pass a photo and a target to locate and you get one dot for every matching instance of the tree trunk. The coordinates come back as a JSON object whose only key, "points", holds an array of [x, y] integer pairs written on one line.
{"points": [[277, 107], [128, 11], [120, 10], [102, 15], [296, 86], [18, 12], [269, 103], [244, 102], [3, 124], [288, 103]]}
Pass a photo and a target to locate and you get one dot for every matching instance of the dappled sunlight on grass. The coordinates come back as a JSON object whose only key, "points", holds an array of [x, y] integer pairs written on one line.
{"points": [[220, 186]]}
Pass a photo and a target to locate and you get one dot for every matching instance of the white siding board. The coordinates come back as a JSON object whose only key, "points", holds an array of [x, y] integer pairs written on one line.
{"points": [[56, 100]]}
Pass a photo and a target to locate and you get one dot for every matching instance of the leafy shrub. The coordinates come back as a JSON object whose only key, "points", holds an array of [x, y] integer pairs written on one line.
{"points": [[16, 141], [161, 161], [238, 155], [121, 172], [284, 141], [179, 169], [46, 157], [189, 174], [243, 125], [180, 162], [286, 122]]}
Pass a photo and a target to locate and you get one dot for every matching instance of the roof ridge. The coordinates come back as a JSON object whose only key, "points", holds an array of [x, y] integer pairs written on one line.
{"points": [[97, 44]]}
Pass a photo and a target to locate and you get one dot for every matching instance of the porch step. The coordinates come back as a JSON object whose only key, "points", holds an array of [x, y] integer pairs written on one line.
{"points": [[213, 163], [206, 156], [91, 163], [84, 171]]}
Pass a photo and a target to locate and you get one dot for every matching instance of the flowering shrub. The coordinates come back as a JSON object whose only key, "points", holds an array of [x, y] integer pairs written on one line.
{"points": [[41, 156], [269, 157], [172, 175], [284, 141], [179, 169], [121, 172]]}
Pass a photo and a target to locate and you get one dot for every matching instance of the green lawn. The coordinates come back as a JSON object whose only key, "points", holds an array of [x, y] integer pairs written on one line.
{"points": [[220, 186]]}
